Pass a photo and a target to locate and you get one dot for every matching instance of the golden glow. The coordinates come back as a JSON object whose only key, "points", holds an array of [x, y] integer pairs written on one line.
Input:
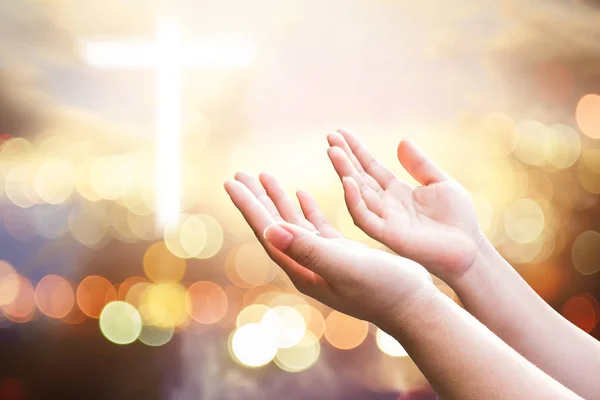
{"points": [[164, 305], [286, 325], [54, 296], [586, 253], [253, 345], [588, 115], [301, 356], [93, 293], [388, 345], [206, 302], [160, 265], [120, 322], [524, 221], [345, 332]]}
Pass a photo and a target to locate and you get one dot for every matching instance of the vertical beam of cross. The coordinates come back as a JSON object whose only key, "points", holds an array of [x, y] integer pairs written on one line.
{"points": [[168, 123], [168, 56]]}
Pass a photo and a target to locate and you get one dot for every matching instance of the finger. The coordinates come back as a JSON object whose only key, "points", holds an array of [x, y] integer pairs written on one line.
{"points": [[418, 165], [284, 204], [259, 192], [380, 172], [313, 213], [253, 211], [323, 256], [259, 219], [343, 167], [364, 218], [337, 140]]}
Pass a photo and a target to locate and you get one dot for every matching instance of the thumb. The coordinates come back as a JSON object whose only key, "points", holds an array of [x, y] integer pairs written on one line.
{"points": [[311, 251]]}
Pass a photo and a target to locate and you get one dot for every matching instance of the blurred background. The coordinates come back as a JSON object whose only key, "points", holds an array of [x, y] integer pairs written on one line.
{"points": [[127, 273]]}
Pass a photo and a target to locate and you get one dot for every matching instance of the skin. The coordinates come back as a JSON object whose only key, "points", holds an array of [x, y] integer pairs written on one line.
{"points": [[435, 224], [395, 293]]}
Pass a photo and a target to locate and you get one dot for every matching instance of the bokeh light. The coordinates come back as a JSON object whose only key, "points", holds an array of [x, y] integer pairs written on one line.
{"points": [[187, 238], [588, 115], [582, 310], [253, 267], [9, 286], [586, 253], [206, 302], [93, 293], [55, 181], [120, 322], [253, 314], [160, 265], [388, 345], [253, 345], [54, 296], [126, 286], [214, 240], [155, 336], [286, 325], [22, 307], [315, 322], [524, 221], [164, 305], [299, 357], [345, 332]]}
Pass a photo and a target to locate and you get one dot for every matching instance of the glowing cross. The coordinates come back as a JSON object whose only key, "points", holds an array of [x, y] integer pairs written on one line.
{"points": [[168, 56]]}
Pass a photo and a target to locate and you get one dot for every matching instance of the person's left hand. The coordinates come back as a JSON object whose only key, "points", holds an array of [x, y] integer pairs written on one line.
{"points": [[348, 276]]}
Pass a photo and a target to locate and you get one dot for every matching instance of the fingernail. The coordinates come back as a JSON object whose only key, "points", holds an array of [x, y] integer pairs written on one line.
{"points": [[279, 237]]}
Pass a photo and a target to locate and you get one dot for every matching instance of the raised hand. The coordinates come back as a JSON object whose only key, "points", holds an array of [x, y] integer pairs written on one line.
{"points": [[433, 224], [348, 276]]}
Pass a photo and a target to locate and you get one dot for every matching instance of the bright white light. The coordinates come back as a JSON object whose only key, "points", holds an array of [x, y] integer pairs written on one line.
{"points": [[120, 54], [168, 56], [389, 345], [216, 53], [168, 123]]}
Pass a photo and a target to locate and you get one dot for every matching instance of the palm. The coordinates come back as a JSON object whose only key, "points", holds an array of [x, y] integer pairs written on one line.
{"points": [[433, 224], [264, 203]]}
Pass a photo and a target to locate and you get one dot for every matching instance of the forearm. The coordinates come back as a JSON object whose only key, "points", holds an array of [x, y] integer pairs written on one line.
{"points": [[462, 359], [496, 294]]}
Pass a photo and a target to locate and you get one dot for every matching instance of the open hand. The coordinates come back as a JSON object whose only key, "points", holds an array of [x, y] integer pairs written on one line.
{"points": [[348, 276], [434, 224]]}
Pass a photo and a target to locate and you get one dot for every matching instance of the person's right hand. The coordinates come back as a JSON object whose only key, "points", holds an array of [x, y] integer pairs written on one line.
{"points": [[434, 224], [348, 276]]}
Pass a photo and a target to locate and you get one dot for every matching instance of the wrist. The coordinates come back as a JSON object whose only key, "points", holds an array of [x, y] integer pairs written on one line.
{"points": [[403, 317], [486, 255]]}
